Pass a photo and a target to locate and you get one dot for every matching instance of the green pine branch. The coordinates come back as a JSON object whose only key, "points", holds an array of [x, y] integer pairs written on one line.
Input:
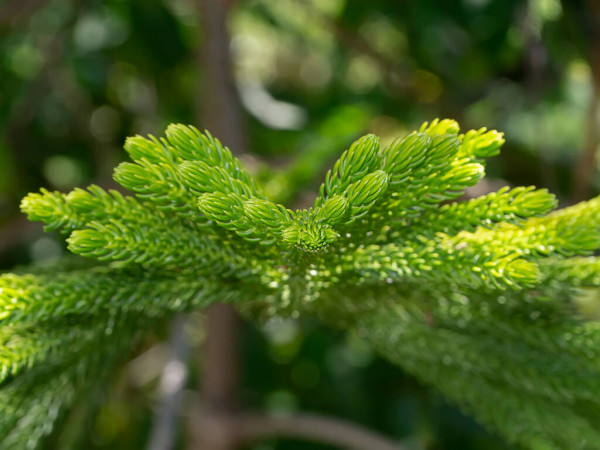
{"points": [[494, 301]]}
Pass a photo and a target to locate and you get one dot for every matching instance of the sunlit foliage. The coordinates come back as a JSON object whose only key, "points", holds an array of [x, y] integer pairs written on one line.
{"points": [[478, 298]]}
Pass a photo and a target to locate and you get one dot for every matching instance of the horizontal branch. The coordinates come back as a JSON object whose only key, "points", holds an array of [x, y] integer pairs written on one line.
{"points": [[253, 427]]}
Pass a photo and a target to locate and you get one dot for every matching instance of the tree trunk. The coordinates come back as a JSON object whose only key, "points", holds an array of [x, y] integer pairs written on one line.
{"points": [[218, 110]]}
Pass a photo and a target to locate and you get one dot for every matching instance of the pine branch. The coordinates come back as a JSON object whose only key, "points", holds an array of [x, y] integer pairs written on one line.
{"points": [[32, 403], [490, 300], [28, 299]]}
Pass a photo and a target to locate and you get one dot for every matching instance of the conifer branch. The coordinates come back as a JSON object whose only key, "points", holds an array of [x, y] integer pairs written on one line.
{"points": [[489, 290]]}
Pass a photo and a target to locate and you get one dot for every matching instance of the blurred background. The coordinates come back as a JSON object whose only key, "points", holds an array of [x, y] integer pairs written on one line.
{"points": [[288, 85]]}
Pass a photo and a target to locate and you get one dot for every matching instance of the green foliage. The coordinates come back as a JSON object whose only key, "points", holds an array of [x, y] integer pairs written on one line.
{"points": [[478, 298]]}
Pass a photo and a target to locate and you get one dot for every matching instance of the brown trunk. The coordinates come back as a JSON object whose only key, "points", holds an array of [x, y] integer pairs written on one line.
{"points": [[585, 168], [213, 426], [218, 110], [217, 104]]}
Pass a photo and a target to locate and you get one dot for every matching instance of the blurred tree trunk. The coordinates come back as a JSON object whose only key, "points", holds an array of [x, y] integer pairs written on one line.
{"points": [[217, 103], [585, 168], [536, 72], [218, 110]]}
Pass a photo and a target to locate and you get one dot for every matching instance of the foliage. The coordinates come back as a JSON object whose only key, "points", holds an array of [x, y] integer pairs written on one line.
{"points": [[478, 298]]}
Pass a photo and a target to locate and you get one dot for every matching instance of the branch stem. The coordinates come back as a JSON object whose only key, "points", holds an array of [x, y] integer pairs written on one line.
{"points": [[253, 427]]}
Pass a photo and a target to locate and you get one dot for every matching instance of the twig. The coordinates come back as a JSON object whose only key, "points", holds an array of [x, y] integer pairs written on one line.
{"points": [[311, 427], [172, 383]]}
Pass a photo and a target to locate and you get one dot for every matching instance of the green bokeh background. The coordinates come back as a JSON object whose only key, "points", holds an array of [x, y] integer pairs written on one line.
{"points": [[77, 77]]}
